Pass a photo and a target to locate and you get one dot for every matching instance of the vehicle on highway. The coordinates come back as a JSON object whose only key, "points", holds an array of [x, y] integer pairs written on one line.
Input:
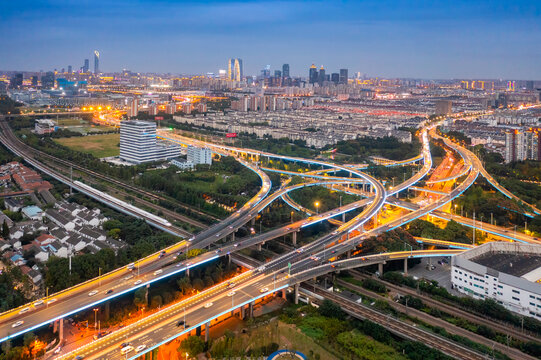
{"points": [[231, 293], [58, 350], [264, 290], [218, 251], [38, 303], [93, 292], [131, 266], [137, 282], [140, 348], [158, 272], [209, 304], [126, 349], [261, 268], [162, 254], [51, 301], [252, 231], [79, 357], [108, 291], [124, 344], [24, 310], [218, 235], [237, 244], [191, 239], [18, 323], [299, 250], [180, 323], [231, 285]]}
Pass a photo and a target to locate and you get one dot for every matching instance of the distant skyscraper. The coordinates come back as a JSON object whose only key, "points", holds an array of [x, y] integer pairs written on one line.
{"points": [[335, 78], [343, 76], [16, 81], [70, 69], [234, 69], [96, 62], [529, 85], [265, 73], [312, 75], [321, 76], [277, 73], [35, 80], [285, 70], [47, 80], [86, 66]]}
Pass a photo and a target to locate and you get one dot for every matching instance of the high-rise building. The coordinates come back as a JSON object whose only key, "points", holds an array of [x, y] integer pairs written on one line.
{"points": [[522, 145], [16, 81], [153, 109], [138, 143], [444, 107], [335, 78], [47, 80], [96, 62], [34, 80], [197, 155], [234, 69], [321, 76], [86, 66], [343, 76], [312, 75], [529, 85], [133, 109], [277, 73], [70, 69], [285, 70]]}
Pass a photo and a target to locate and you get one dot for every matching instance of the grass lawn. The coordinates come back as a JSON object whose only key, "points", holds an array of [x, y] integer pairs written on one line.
{"points": [[98, 145], [70, 121]]}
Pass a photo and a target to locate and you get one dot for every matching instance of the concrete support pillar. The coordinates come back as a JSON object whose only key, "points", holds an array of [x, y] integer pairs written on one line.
{"points": [[259, 247], [241, 315], [380, 269], [284, 294], [406, 266], [107, 310], [344, 217], [349, 254], [233, 236], [207, 332], [188, 272], [253, 221], [296, 293], [294, 238], [61, 330], [251, 310]]}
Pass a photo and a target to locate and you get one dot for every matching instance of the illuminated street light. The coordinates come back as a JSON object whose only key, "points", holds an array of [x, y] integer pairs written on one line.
{"points": [[317, 207]]}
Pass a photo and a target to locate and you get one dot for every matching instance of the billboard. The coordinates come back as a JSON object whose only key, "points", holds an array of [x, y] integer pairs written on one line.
{"points": [[231, 135]]}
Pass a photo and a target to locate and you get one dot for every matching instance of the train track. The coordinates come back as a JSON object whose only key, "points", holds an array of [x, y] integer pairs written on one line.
{"points": [[455, 311], [32, 153], [399, 327]]}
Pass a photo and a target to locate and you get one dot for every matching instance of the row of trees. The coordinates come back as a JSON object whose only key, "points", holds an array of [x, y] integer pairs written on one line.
{"points": [[388, 147]]}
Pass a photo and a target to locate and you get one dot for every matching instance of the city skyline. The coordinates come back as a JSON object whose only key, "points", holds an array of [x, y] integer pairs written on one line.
{"points": [[433, 40]]}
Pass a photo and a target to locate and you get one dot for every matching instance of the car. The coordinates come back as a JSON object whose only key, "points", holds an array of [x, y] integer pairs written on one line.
{"points": [[109, 291], [191, 239], [131, 266], [124, 344], [58, 350], [289, 228], [162, 254], [24, 310], [93, 292], [261, 268], [158, 272], [218, 251], [180, 323], [140, 348], [231, 285], [236, 245], [79, 357], [51, 301], [231, 293], [126, 349], [299, 250], [18, 323], [209, 304], [137, 282], [231, 227], [264, 290], [333, 252]]}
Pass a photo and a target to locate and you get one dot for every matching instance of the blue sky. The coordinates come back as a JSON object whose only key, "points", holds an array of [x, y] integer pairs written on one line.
{"points": [[417, 38]]}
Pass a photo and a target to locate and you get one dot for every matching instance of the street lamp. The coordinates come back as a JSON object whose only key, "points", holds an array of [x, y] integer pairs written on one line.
{"points": [[96, 318], [317, 207]]}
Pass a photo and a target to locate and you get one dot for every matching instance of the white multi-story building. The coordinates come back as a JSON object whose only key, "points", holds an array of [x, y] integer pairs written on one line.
{"points": [[508, 273], [198, 155], [138, 143]]}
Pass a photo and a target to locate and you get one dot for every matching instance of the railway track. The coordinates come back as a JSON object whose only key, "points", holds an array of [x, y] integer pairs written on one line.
{"points": [[455, 311], [400, 328], [31, 152]]}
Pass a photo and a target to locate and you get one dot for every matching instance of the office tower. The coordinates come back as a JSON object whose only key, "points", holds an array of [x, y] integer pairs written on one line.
{"points": [[86, 66], [197, 155], [321, 76], [335, 78], [138, 143], [285, 70], [529, 85], [343, 76], [234, 69], [133, 109], [70, 69], [34, 80], [16, 81], [265, 73], [312, 75], [47, 80], [511, 85], [444, 107], [277, 73], [96, 62]]}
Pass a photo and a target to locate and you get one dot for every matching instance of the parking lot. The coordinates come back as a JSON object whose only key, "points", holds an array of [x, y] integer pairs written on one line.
{"points": [[441, 272]]}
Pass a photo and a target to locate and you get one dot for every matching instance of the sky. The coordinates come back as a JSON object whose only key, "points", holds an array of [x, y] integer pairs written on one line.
{"points": [[409, 39]]}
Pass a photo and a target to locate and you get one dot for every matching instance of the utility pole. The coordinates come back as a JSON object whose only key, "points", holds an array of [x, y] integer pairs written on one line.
{"points": [[473, 243]]}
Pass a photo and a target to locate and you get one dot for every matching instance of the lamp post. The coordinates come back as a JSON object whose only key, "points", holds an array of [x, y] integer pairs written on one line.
{"points": [[95, 318], [317, 207]]}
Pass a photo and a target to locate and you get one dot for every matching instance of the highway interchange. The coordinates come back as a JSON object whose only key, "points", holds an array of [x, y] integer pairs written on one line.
{"points": [[307, 262]]}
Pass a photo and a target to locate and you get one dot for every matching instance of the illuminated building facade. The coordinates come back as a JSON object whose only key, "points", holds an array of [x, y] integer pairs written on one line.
{"points": [[234, 69], [96, 62]]}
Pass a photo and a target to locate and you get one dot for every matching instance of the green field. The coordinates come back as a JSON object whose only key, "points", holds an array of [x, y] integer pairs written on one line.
{"points": [[98, 145]]}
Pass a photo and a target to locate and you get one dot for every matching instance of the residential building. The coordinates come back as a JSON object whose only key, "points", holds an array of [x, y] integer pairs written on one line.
{"points": [[198, 155], [138, 143], [444, 107]]}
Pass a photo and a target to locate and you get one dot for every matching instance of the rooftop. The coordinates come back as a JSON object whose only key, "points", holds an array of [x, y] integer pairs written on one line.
{"points": [[516, 264]]}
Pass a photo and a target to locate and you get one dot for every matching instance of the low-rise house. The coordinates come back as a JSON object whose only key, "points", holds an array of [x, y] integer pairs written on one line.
{"points": [[13, 204], [4, 245], [18, 260], [60, 234], [6, 219], [42, 255], [90, 234], [45, 239], [76, 242], [60, 219], [32, 212]]}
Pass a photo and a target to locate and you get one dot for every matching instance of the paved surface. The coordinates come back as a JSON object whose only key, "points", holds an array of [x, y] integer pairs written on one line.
{"points": [[441, 273]]}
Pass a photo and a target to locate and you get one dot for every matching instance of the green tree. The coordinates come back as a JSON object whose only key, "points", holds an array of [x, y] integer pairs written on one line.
{"points": [[140, 297], [193, 345], [331, 309], [5, 230]]}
